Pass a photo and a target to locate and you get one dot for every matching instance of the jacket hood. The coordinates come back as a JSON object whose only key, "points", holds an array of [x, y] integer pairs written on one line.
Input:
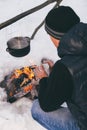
{"points": [[74, 42]]}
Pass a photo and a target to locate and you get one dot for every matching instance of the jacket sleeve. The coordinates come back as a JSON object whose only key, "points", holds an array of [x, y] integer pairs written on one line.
{"points": [[56, 89]]}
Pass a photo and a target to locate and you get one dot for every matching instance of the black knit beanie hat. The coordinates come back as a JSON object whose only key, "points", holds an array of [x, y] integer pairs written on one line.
{"points": [[59, 20]]}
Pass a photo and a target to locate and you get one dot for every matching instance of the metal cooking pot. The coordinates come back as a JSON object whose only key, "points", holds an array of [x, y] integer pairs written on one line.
{"points": [[18, 46]]}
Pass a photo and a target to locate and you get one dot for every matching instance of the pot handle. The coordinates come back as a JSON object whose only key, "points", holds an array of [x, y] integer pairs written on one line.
{"points": [[7, 50]]}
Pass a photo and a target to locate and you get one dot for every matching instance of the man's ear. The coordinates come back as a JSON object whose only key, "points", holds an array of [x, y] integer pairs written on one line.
{"points": [[55, 41]]}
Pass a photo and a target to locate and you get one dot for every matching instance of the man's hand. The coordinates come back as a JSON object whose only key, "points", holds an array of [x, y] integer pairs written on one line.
{"points": [[40, 72], [49, 62]]}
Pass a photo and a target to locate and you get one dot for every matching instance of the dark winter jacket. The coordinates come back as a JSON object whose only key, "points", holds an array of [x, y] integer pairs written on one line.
{"points": [[73, 53], [68, 79]]}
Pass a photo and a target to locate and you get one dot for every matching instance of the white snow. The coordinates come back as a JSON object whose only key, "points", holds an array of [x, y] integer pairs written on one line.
{"points": [[17, 116]]}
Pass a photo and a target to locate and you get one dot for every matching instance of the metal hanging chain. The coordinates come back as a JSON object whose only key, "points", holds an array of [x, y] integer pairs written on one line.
{"points": [[41, 24], [18, 17]]}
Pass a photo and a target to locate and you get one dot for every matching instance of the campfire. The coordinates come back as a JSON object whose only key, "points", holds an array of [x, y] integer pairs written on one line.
{"points": [[19, 83]]}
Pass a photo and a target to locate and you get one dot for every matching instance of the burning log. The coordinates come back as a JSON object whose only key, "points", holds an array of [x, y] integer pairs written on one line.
{"points": [[19, 83]]}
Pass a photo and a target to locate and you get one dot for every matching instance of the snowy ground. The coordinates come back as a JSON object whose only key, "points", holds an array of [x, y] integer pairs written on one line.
{"points": [[17, 116]]}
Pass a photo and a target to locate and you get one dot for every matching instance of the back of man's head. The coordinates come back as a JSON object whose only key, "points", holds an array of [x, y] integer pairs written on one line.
{"points": [[60, 20]]}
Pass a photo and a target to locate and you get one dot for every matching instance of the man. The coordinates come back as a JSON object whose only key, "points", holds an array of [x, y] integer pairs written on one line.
{"points": [[67, 81]]}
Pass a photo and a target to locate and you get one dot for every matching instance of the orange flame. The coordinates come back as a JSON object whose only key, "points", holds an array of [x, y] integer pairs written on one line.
{"points": [[27, 70]]}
